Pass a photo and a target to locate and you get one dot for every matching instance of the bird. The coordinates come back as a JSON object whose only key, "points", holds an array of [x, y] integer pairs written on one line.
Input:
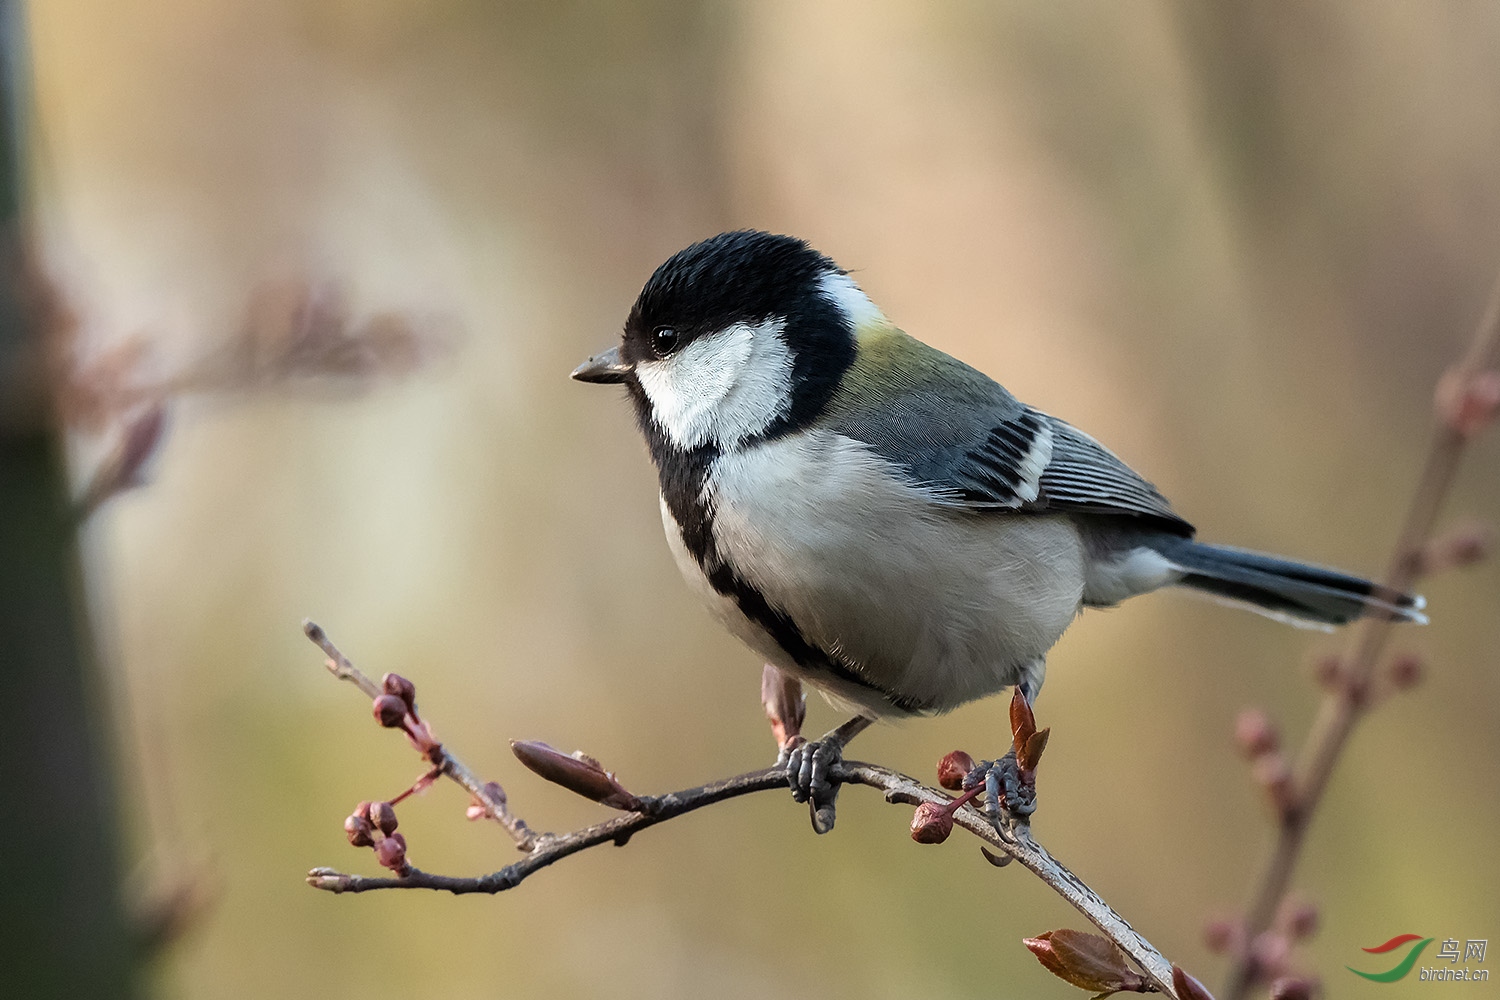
{"points": [[882, 521]]}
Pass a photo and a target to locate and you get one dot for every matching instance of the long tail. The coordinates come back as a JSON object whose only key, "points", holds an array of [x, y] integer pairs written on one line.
{"points": [[1279, 588]]}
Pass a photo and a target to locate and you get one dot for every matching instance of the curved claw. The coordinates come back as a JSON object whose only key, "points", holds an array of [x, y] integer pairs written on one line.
{"points": [[808, 766]]}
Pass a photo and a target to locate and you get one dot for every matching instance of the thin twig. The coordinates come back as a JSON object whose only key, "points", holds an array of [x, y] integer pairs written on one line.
{"points": [[1346, 702], [547, 848], [495, 806]]}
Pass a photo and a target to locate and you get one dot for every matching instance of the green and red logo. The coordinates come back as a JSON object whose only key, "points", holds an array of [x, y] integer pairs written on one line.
{"points": [[1401, 968]]}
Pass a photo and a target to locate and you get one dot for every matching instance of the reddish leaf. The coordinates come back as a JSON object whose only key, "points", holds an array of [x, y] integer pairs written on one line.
{"points": [[1088, 961], [1022, 722], [1030, 755]]}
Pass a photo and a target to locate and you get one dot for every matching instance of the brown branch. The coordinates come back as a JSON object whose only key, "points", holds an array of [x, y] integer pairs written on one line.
{"points": [[545, 849], [1465, 401]]}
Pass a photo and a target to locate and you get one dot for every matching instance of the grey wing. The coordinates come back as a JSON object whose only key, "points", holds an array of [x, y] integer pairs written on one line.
{"points": [[959, 433], [1035, 463], [1084, 475]]}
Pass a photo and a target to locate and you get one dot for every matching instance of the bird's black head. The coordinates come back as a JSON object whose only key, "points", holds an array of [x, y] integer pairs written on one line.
{"points": [[743, 335]]}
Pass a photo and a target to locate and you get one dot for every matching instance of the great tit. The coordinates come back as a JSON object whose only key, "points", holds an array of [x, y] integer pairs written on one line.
{"points": [[880, 520]]}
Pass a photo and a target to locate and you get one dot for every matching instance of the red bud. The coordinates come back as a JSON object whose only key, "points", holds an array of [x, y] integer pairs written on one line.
{"points": [[1467, 400], [1274, 774], [1406, 671], [478, 808], [383, 815], [952, 770], [1219, 935], [389, 711], [395, 684], [1255, 733], [391, 852], [359, 831], [931, 823], [1329, 671], [1300, 919], [1294, 988], [577, 772], [1188, 988], [1270, 953]]}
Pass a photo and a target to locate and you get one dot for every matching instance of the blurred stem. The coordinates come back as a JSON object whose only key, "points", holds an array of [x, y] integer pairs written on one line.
{"points": [[63, 923], [1347, 702]]}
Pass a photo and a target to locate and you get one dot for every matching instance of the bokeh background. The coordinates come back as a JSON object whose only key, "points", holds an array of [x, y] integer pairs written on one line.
{"points": [[1237, 243]]}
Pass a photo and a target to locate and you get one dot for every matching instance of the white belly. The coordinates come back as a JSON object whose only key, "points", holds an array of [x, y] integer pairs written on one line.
{"points": [[939, 605]]}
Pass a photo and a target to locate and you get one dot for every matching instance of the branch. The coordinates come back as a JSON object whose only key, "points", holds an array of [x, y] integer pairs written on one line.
{"points": [[1466, 400], [545, 849], [487, 795]]}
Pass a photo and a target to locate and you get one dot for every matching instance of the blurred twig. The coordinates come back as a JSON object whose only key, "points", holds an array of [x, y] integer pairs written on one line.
{"points": [[1465, 401], [584, 775]]}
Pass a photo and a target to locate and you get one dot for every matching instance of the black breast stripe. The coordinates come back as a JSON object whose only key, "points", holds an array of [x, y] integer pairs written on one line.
{"points": [[683, 474]]}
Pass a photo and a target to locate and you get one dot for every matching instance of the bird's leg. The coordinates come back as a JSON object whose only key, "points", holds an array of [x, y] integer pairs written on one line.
{"points": [[807, 767], [786, 707], [1010, 782]]}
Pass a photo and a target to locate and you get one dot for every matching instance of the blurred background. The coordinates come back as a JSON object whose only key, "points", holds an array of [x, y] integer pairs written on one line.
{"points": [[1237, 244]]}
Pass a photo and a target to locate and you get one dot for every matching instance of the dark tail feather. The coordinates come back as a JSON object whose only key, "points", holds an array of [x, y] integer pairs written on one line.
{"points": [[1303, 594]]}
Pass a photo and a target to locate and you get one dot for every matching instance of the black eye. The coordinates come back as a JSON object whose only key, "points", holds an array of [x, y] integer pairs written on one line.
{"points": [[663, 341]]}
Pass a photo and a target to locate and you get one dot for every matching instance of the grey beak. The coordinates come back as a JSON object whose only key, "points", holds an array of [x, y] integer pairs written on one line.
{"points": [[604, 368]]}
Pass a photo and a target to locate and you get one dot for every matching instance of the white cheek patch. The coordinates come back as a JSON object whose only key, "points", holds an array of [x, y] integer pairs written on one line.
{"points": [[723, 387], [841, 290]]}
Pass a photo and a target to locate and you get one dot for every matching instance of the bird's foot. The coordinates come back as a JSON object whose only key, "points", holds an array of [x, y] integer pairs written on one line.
{"points": [[1010, 782], [809, 766], [1009, 789]]}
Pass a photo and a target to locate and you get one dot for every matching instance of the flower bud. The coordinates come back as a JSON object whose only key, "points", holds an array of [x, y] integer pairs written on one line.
{"points": [[359, 830], [1294, 988], [395, 684], [391, 852], [1274, 774], [931, 824], [479, 807], [1255, 733], [389, 711], [952, 770], [1270, 953], [1219, 935], [1406, 671], [1300, 918], [577, 772], [1329, 671], [383, 815], [1467, 400]]}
